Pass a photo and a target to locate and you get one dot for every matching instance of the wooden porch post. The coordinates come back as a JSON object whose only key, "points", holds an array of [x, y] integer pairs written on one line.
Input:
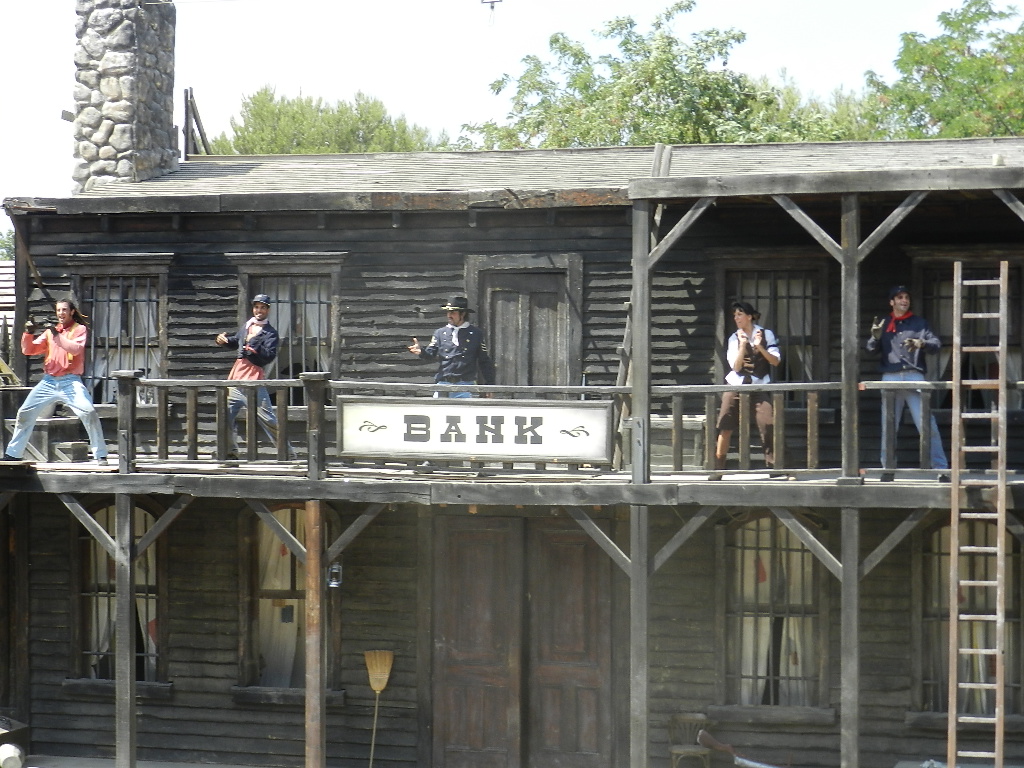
{"points": [[850, 365], [640, 308], [849, 697], [124, 633], [316, 695]]}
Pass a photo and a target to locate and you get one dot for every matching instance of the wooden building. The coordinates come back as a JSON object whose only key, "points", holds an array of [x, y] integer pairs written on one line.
{"points": [[544, 609]]}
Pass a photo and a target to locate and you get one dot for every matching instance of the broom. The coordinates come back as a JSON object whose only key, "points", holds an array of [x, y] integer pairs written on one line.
{"points": [[378, 664]]}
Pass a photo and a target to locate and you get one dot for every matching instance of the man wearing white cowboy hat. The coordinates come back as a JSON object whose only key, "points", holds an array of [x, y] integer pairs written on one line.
{"points": [[460, 350], [256, 342]]}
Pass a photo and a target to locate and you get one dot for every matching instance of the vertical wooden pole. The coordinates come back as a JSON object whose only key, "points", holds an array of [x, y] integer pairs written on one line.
{"points": [[640, 304], [124, 633], [850, 367], [315, 390], [316, 695], [127, 393], [849, 697]]}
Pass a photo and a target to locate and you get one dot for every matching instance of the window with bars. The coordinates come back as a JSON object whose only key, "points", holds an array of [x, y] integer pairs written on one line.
{"points": [[125, 332], [791, 304], [933, 656], [97, 610], [300, 309], [774, 641], [274, 649], [936, 304]]}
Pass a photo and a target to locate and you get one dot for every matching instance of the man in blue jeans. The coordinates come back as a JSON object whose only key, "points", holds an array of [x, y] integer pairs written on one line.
{"points": [[460, 350], [900, 338]]}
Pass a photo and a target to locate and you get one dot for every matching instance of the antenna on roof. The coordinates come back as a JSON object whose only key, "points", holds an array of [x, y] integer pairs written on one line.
{"points": [[490, 3]]}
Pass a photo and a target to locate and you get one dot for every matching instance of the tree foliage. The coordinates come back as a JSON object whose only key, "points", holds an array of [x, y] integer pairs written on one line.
{"points": [[967, 81], [7, 245], [272, 125], [655, 88]]}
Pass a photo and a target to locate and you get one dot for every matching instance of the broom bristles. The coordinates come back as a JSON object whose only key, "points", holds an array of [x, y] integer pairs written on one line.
{"points": [[378, 664]]}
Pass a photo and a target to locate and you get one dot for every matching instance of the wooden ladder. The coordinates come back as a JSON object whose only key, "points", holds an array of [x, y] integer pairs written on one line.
{"points": [[977, 570]]}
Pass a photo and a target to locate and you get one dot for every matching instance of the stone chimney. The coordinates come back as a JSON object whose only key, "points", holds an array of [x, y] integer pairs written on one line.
{"points": [[124, 95]]}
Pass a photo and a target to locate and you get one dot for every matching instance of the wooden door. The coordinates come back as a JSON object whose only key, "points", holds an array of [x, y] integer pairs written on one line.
{"points": [[526, 317], [522, 666]]}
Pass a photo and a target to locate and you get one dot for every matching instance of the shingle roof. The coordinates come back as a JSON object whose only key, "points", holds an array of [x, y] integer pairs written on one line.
{"points": [[542, 178]]}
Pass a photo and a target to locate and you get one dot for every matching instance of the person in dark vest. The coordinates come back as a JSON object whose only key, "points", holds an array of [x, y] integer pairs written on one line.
{"points": [[256, 342], [460, 350], [902, 339], [752, 353]]}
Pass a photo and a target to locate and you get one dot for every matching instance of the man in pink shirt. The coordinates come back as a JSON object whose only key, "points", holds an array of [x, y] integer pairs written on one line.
{"points": [[64, 347]]}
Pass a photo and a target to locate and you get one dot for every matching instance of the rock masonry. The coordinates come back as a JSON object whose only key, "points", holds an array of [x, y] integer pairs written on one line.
{"points": [[124, 91]]}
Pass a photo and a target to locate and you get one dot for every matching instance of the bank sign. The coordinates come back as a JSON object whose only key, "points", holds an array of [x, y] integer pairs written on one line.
{"points": [[475, 429]]}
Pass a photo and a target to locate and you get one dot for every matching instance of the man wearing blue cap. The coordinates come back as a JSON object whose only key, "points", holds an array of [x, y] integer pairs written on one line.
{"points": [[256, 342], [900, 339]]}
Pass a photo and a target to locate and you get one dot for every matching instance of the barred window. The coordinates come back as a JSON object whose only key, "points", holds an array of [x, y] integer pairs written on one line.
{"points": [[125, 332], [934, 618], [97, 609], [773, 622]]}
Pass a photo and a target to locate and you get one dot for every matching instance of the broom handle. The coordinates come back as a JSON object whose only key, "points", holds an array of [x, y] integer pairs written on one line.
{"points": [[373, 737]]}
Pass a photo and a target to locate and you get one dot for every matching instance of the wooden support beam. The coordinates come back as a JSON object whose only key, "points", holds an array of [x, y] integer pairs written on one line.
{"points": [[639, 612], [275, 525], [640, 303], [680, 229], [316, 677], [892, 541], [5, 499], [600, 537], [163, 522], [796, 212], [98, 531], [819, 550], [884, 229], [350, 533], [125, 727], [849, 693], [682, 536], [849, 337]]}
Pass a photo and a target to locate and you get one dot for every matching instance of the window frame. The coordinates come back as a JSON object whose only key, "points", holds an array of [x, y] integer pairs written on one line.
{"points": [[817, 709], [918, 714], [248, 688], [779, 262], [327, 266], [82, 540], [116, 266]]}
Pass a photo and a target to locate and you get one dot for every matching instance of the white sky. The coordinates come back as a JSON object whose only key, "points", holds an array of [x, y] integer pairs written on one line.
{"points": [[431, 60]]}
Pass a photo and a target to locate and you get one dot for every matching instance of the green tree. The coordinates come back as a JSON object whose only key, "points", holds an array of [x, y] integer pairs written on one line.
{"points": [[7, 245], [966, 81], [272, 125], [656, 88]]}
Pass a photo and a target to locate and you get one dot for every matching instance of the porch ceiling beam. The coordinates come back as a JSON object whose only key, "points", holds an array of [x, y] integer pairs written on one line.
{"points": [[813, 229], [682, 536], [788, 519], [945, 179], [897, 535], [350, 533], [98, 531], [600, 537], [883, 230], [163, 523], [1011, 200], [275, 525], [680, 229]]}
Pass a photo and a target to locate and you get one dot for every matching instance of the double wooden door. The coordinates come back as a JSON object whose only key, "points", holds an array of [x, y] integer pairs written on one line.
{"points": [[522, 651]]}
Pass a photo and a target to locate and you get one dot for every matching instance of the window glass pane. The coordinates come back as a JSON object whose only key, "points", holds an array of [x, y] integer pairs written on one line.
{"points": [[123, 318], [772, 617], [98, 605]]}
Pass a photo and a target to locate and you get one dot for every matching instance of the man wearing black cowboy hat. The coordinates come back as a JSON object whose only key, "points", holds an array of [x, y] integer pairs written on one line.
{"points": [[459, 348]]}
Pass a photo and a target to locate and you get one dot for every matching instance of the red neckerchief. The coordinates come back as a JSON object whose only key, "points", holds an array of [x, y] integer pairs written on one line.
{"points": [[62, 329], [891, 328]]}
